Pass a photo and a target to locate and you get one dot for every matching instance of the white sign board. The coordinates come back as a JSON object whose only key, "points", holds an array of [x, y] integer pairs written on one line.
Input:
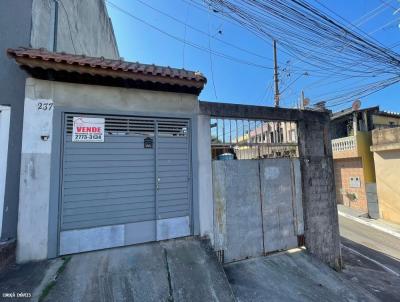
{"points": [[88, 130]]}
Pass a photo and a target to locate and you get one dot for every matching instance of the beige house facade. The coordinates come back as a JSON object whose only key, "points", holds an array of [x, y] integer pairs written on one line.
{"points": [[386, 149]]}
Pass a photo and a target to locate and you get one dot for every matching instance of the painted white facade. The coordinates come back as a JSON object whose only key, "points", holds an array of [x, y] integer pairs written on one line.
{"points": [[33, 213], [206, 204], [5, 113]]}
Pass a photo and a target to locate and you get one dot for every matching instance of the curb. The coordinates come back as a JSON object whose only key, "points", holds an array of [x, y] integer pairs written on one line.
{"points": [[49, 280], [371, 224]]}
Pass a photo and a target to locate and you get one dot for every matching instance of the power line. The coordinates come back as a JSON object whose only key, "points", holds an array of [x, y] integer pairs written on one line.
{"points": [[346, 78], [201, 7], [364, 93], [355, 26], [300, 28], [383, 26], [370, 15], [184, 38], [247, 51], [388, 4], [290, 84], [211, 59], [192, 44]]}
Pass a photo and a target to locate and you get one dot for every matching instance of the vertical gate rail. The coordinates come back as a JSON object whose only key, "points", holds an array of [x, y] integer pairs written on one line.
{"points": [[253, 138]]}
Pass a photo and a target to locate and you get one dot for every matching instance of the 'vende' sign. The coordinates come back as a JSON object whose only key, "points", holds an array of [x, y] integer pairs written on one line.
{"points": [[88, 130]]}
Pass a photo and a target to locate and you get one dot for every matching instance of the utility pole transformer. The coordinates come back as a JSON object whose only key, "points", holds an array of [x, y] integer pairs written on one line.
{"points": [[276, 78]]}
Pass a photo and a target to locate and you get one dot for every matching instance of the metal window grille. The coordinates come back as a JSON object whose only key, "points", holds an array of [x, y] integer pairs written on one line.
{"points": [[253, 139], [119, 125], [116, 125], [220, 256]]}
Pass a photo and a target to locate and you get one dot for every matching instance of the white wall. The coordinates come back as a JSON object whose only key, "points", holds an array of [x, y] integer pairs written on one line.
{"points": [[5, 112], [95, 97], [206, 205], [33, 213]]}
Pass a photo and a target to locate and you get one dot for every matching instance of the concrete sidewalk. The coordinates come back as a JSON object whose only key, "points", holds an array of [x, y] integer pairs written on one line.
{"points": [[174, 270], [361, 217], [291, 276]]}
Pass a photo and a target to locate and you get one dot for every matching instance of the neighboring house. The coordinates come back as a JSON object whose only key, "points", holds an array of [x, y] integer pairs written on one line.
{"points": [[353, 160], [254, 139], [82, 27], [386, 149]]}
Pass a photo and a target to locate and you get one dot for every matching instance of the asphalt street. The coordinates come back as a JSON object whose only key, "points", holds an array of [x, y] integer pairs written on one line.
{"points": [[371, 258]]}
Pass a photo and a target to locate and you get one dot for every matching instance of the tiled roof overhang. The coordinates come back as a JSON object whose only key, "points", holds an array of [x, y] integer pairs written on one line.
{"points": [[47, 65], [349, 111]]}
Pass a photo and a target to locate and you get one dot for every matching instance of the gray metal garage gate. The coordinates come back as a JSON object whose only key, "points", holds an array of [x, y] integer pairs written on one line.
{"points": [[133, 187]]}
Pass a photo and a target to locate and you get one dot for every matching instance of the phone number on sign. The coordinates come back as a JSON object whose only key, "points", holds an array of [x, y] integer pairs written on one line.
{"points": [[87, 136]]}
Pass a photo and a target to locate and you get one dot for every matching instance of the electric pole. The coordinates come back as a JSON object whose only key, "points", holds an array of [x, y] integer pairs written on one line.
{"points": [[276, 79]]}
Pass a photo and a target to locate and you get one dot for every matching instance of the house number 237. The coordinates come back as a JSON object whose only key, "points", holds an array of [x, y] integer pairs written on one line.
{"points": [[45, 106]]}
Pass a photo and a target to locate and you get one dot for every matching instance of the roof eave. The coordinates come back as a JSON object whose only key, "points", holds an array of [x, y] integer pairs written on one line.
{"points": [[49, 65]]}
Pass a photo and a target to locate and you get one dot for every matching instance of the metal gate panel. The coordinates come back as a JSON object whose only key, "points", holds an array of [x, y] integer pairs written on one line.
{"points": [[173, 203], [257, 206], [281, 203], [111, 182], [118, 192], [173, 169]]}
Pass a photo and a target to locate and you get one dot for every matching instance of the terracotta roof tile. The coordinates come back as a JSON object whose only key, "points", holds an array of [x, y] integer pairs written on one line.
{"points": [[122, 68]]}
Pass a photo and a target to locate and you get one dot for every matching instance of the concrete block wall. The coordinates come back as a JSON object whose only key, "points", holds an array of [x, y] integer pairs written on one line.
{"points": [[83, 28], [321, 227]]}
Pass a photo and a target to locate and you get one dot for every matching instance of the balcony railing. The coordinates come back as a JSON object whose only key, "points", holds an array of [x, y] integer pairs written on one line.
{"points": [[344, 144]]}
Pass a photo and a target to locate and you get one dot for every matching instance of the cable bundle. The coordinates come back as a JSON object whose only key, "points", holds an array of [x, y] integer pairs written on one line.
{"points": [[328, 48]]}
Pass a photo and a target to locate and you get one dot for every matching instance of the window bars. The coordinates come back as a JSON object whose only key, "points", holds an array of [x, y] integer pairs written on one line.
{"points": [[253, 139]]}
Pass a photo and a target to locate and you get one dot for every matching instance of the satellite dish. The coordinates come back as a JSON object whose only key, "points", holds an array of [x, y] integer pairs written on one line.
{"points": [[356, 105], [306, 102]]}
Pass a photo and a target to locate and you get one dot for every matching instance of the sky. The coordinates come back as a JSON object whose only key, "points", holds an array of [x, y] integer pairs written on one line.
{"points": [[146, 34]]}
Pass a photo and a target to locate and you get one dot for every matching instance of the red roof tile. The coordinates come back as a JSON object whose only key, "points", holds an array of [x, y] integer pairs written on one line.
{"points": [[144, 72]]}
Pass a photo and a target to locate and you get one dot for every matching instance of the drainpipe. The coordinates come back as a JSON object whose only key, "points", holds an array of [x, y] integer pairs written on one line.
{"points": [[53, 26]]}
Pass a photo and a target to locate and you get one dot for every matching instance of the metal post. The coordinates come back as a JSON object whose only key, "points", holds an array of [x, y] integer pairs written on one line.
{"points": [[53, 27], [276, 75]]}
